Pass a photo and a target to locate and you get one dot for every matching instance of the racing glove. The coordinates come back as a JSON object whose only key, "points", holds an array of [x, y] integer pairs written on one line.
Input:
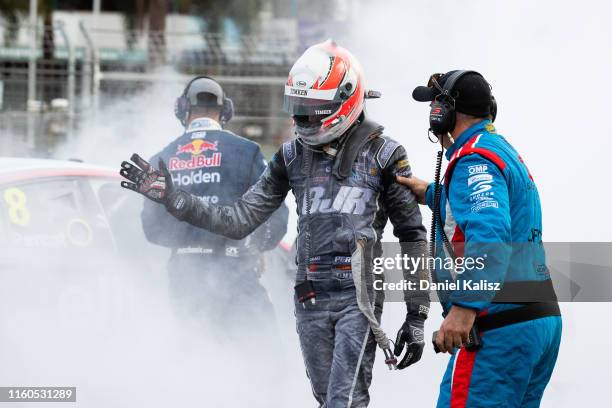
{"points": [[411, 337], [155, 184]]}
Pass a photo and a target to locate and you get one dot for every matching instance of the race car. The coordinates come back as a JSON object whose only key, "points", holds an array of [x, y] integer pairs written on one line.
{"points": [[66, 232], [66, 223], [63, 206]]}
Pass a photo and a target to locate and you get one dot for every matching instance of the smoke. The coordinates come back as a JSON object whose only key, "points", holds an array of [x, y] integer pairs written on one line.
{"points": [[547, 62], [106, 322], [112, 331], [141, 122]]}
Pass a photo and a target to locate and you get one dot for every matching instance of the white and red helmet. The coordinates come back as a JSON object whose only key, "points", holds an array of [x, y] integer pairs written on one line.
{"points": [[324, 93]]}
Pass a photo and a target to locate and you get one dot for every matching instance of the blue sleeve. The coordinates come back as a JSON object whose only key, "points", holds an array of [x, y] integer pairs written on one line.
{"points": [[479, 201], [429, 195]]}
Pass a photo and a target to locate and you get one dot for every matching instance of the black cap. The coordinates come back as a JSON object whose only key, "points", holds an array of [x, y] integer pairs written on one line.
{"points": [[471, 92]]}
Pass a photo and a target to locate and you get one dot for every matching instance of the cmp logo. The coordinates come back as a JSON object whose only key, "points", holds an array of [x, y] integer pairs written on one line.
{"points": [[348, 200], [478, 169]]}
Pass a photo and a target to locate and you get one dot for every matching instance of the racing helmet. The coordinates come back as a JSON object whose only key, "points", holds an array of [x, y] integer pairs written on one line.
{"points": [[324, 93]]}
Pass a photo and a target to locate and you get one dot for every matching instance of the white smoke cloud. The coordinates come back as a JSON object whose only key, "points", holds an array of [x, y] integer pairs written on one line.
{"points": [[115, 336], [548, 63], [113, 331]]}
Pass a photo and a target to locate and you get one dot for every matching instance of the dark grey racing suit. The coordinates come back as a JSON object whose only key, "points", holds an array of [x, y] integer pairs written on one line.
{"points": [[335, 337]]}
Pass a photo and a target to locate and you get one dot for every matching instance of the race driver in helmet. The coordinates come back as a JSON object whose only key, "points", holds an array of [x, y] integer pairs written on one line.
{"points": [[341, 170]]}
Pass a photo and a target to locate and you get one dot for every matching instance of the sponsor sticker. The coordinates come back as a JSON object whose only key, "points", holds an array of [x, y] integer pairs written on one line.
{"points": [[479, 177], [484, 204], [348, 200], [196, 147], [196, 177], [385, 152], [198, 135], [231, 251], [342, 260], [403, 163], [478, 169], [196, 162], [289, 152], [203, 124]]}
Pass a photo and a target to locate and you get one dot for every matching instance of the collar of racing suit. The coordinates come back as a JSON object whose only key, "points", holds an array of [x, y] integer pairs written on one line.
{"points": [[203, 123], [353, 143], [482, 126]]}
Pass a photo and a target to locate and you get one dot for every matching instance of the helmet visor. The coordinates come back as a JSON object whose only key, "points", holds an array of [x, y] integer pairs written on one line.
{"points": [[311, 102]]}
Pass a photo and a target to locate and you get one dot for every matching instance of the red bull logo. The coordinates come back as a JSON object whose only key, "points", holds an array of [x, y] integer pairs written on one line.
{"points": [[197, 146], [195, 162]]}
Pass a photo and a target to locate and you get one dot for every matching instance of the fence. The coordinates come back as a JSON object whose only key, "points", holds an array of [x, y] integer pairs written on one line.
{"points": [[39, 87], [49, 87]]}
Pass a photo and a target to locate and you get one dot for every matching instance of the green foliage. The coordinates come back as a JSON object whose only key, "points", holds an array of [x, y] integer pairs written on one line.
{"points": [[10, 12]]}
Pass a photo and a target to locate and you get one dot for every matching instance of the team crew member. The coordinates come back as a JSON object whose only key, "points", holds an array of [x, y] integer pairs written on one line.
{"points": [[488, 209], [211, 276], [342, 171]]}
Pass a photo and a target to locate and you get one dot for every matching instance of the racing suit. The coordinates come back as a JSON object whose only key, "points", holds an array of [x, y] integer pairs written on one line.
{"points": [[208, 272], [491, 209], [336, 212]]}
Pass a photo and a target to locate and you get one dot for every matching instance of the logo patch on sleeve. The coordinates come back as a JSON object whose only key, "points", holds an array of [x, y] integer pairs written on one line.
{"points": [[289, 152], [480, 182], [403, 163], [478, 169], [385, 152]]}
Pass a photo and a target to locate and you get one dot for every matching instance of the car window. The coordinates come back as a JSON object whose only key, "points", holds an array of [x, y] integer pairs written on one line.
{"points": [[122, 210], [52, 214]]}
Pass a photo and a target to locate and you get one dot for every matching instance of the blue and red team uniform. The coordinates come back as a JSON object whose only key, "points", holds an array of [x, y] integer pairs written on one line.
{"points": [[491, 207]]}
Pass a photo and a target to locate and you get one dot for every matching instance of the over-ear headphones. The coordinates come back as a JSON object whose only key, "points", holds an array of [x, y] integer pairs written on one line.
{"points": [[443, 116], [182, 107]]}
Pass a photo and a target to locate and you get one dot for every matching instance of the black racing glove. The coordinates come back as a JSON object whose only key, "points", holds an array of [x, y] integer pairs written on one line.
{"points": [[155, 184], [410, 335]]}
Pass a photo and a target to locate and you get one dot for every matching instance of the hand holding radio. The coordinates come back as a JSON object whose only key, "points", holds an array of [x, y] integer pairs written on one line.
{"points": [[455, 329]]}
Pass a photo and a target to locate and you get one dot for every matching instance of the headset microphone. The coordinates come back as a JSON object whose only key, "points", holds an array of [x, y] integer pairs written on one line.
{"points": [[443, 115]]}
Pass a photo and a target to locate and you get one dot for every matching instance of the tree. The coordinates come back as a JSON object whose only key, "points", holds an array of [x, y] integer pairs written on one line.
{"points": [[10, 15]]}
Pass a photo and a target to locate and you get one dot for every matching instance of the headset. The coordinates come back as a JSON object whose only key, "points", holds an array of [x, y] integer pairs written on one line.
{"points": [[182, 107], [442, 116]]}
